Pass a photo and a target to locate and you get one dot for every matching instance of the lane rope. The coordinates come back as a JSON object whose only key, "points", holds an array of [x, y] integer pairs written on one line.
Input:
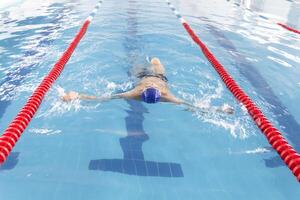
{"points": [[288, 28], [287, 153], [285, 26], [15, 129]]}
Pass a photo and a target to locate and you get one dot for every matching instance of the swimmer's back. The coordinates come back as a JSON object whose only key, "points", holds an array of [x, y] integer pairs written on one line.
{"points": [[155, 82]]}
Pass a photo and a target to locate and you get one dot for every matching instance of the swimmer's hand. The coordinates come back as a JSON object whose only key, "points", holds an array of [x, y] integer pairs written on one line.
{"points": [[70, 96], [225, 109]]}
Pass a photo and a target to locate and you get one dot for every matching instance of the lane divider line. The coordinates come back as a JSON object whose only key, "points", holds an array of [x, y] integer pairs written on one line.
{"points": [[274, 136], [288, 28], [285, 26], [15, 129]]}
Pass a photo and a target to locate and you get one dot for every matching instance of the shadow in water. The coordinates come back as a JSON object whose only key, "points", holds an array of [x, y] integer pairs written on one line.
{"points": [[11, 162], [133, 162], [274, 162]]}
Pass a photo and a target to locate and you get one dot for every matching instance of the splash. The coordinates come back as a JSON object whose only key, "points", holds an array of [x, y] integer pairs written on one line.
{"points": [[54, 106], [213, 114], [258, 150], [235, 127], [44, 131]]}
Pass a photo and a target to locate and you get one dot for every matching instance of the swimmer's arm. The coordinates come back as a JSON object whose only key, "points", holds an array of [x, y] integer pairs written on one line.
{"points": [[132, 94], [87, 97], [172, 99], [75, 95], [70, 96]]}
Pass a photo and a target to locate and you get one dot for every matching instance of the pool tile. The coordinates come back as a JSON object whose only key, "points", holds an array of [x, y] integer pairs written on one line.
{"points": [[176, 170], [129, 167], [164, 170], [152, 169], [140, 168]]}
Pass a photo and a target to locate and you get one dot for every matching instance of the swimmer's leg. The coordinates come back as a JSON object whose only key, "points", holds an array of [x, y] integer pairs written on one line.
{"points": [[157, 67]]}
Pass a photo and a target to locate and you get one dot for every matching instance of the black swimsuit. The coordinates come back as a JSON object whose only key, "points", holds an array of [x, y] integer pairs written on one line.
{"points": [[147, 74]]}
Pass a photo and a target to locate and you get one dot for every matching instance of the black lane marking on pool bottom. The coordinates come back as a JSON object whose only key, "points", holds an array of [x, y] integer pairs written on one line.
{"points": [[15, 78], [133, 162], [285, 119]]}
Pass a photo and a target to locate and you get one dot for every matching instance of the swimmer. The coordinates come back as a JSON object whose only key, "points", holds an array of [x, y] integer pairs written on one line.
{"points": [[151, 88]]}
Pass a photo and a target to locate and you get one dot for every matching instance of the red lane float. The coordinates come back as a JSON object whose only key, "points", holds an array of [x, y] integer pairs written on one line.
{"points": [[288, 28], [14, 131], [275, 138], [278, 23]]}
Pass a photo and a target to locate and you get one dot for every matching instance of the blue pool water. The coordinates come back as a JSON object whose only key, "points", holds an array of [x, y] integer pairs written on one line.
{"points": [[132, 150]]}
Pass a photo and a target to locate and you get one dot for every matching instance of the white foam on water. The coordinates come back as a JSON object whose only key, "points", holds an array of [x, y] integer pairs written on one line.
{"points": [[258, 150], [55, 106], [208, 113], [44, 131], [235, 127]]}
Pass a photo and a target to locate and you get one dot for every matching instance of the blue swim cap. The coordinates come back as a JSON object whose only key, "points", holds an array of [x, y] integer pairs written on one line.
{"points": [[151, 95]]}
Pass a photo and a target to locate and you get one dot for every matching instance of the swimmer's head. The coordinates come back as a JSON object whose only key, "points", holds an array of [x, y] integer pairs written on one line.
{"points": [[151, 95]]}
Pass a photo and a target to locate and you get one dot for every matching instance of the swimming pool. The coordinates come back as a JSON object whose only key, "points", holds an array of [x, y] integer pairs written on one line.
{"points": [[131, 150]]}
